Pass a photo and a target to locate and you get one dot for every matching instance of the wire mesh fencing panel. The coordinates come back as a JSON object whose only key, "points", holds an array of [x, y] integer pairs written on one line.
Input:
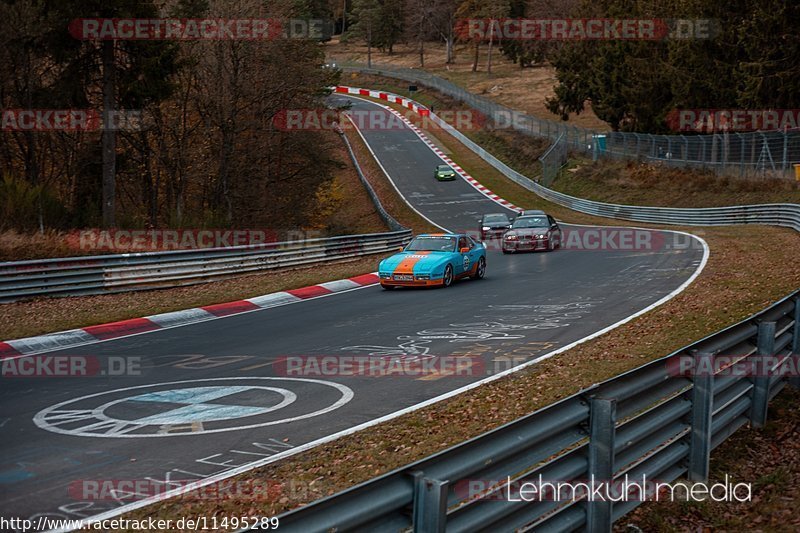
{"points": [[553, 160]]}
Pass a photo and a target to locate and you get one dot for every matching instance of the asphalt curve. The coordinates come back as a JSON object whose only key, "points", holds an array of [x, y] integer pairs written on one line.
{"points": [[222, 385]]}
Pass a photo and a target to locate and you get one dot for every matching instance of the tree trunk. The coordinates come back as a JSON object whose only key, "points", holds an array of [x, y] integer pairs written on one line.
{"points": [[475, 56], [421, 53], [109, 137], [491, 42], [450, 48], [369, 44]]}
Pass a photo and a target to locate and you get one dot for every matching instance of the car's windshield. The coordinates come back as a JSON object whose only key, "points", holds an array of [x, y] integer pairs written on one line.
{"points": [[432, 244], [530, 222], [443, 167], [495, 219]]}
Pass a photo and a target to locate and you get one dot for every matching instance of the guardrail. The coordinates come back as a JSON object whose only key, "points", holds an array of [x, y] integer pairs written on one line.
{"points": [[724, 153], [787, 215], [772, 214], [149, 270], [659, 421], [390, 221]]}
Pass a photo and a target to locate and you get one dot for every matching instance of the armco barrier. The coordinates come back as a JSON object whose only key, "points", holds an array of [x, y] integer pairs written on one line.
{"points": [[149, 270], [771, 214], [652, 421]]}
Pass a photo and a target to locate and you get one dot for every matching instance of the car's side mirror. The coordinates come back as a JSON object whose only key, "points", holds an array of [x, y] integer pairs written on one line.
{"points": [[465, 250]]}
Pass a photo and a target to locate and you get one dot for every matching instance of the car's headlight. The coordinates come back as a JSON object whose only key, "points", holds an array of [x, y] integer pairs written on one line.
{"points": [[485, 228], [385, 275], [423, 276], [511, 237]]}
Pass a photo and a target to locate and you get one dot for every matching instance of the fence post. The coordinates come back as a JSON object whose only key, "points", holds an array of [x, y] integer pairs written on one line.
{"points": [[784, 166], [602, 419], [430, 504], [702, 410], [742, 140], [794, 379], [760, 398]]}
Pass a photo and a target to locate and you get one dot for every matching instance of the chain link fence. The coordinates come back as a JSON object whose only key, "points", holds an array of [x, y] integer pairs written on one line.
{"points": [[743, 154], [553, 160]]}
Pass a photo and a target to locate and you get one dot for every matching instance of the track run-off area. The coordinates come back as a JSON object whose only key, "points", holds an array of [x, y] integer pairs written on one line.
{"points": [[212, 399]]}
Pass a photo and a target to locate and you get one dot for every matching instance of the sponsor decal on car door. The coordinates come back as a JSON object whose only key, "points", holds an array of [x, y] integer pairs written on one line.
{"points": [[466, 260]]}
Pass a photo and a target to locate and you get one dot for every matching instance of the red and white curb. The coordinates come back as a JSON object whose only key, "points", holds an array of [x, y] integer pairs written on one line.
{"points": [[135, 326], [423, 111]]}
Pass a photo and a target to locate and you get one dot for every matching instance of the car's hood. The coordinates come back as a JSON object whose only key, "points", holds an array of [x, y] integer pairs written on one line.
{"points": [[413, 262], [528, 231]]}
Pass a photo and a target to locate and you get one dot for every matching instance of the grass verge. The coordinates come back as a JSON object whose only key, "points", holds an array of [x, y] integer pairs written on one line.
{"points": [[726, 291], [390, 198], [638, 183]]}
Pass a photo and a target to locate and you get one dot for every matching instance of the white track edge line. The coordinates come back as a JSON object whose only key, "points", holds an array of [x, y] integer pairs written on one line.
{"points": [[383, 169]]}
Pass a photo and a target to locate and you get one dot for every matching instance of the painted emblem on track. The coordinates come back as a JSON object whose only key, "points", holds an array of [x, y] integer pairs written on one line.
{"points": [[193, 407]]}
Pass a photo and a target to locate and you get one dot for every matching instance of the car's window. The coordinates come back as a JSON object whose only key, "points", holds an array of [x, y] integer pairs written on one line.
{"points": [[495, 219], [432, 244], [530, 222], [443, 167]]}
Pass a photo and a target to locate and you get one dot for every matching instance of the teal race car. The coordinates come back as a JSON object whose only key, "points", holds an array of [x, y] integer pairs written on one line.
{"points": [[444, 173], [435, 259]]}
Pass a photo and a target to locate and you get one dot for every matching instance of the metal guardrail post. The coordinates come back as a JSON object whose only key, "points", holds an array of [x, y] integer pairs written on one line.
{"points": [[765, 347], [602, 421], [702, 410], [794, 380], [430, 504]]}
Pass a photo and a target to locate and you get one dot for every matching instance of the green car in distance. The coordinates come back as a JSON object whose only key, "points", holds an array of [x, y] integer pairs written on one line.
{"points": [[444, 173]]}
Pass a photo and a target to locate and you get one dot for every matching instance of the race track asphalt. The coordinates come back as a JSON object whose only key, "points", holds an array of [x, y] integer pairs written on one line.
{"points": [[215, 395]]}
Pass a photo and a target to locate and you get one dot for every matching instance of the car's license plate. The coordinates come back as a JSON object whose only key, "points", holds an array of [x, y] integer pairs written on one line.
{"points": [[403, 277]]}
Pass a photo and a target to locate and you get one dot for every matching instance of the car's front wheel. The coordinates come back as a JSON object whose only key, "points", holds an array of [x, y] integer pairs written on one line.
{"points": [[447, 279], [481, 270]]}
